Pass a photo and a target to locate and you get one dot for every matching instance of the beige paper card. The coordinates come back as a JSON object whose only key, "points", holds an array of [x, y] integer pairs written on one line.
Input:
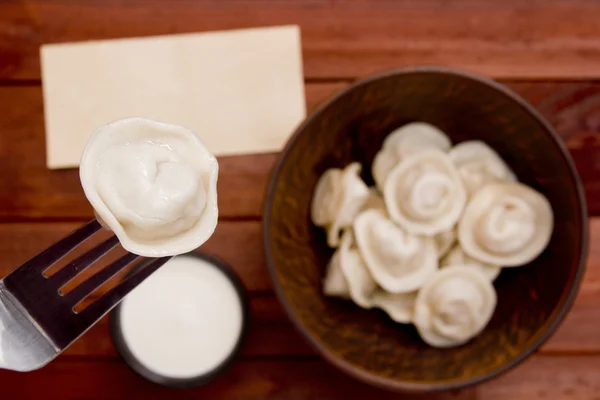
{"points": [[241, 91]]}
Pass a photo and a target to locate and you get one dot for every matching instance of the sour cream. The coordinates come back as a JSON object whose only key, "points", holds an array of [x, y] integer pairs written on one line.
{"points": [[183, 322]]}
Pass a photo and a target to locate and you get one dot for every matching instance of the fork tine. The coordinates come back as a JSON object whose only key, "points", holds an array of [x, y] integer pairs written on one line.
{"points": [[71, 270], [60, 249], [96, 280], [105, 303]]}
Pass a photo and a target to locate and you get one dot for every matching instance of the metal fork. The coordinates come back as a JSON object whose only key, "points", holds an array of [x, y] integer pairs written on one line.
{"points": [[37, 322]]}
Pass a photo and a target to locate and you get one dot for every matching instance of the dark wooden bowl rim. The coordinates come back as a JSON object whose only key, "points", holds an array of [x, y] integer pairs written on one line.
{"points": [[545, 332]]}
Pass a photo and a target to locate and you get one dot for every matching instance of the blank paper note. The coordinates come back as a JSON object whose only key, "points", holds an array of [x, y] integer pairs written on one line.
{"points": [[241, 91]]}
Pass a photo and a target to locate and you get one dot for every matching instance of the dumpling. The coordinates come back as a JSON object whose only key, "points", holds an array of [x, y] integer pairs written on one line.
{"points": [[457, 256], [454, 306], [478, 164], [339, 196], [153, 184], [506, 224], [444, 241], [408, 140], [424, 194], [364, 291], [398, 261], [335, 283], [327, 197]]}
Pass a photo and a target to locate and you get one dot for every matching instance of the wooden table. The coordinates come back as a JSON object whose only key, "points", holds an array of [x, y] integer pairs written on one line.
{"points": [[548, 51]]}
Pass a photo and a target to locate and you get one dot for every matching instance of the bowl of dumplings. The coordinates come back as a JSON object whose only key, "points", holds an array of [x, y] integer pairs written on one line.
{"points": [[425, 229]]}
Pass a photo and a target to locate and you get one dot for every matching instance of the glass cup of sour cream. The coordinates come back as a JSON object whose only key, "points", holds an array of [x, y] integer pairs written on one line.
{"points": [[184, 324]]}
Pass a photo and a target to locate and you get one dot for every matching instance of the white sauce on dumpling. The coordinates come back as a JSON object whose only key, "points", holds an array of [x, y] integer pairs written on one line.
{"points": [[406, 141], [153, 184], [457, 256], [506, 224], [398, 261], [478, 164], [454, 306], [425, 194]]}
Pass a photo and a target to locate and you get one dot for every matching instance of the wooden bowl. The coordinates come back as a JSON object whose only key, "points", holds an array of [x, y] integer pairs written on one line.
{"points": [[532, 300]]}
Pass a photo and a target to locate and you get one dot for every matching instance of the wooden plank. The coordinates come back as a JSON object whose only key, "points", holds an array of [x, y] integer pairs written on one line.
{"points": [[547, 377], [541, 377], [30, 191], [544, 39], [240, 244], [237, 243], [272, 334], [575, 113], [580, 331], [290, 380]]}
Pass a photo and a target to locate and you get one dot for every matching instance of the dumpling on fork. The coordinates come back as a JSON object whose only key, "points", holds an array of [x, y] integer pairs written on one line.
{"points": [[153, 184]]}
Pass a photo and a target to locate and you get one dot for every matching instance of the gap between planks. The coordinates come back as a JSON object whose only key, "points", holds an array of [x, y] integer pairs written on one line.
{"points": [[31, 192], [551, 39], [240, 245], [537, 378]]}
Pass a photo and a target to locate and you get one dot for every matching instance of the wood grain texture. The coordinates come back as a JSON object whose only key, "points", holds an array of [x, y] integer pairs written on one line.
{"points": [[575, 113], [271, 333], [245, 380], [544, 39], [342, 40], [537, 379], [28, 190], [237, 243]]}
